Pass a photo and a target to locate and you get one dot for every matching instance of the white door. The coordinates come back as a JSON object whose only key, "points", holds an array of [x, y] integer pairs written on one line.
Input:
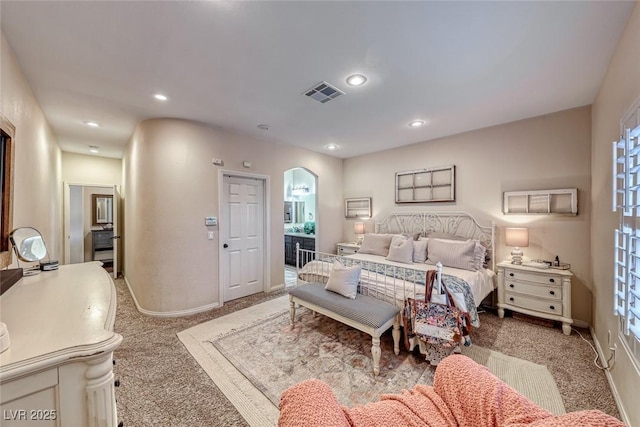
{"points": [[73, 224], [76, 224], [242, 237], [116, 230]]}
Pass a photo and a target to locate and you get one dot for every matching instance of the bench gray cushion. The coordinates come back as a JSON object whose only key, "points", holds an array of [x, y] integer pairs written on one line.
{"points": [[364, 309]]}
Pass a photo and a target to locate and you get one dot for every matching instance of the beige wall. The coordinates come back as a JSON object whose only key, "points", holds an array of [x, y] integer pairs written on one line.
{"points": [[37, 181], [170, 185], [84, 169], [620, 88], [545, 152]]}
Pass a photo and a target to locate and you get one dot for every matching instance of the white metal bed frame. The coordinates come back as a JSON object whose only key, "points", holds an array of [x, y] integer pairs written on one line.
{"points": [[455, 223]]}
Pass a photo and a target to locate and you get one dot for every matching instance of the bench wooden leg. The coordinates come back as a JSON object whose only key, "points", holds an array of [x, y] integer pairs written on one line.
{"points": [[396, 335], [292, 312], [375, 353]]}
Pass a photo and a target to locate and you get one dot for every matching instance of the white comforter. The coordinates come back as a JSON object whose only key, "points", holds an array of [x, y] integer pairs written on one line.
{"points": [[394, 281], [480, 281]]}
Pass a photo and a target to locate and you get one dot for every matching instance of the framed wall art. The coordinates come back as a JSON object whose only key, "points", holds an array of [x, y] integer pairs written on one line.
{"points": [[426, 185], [357, 207]]}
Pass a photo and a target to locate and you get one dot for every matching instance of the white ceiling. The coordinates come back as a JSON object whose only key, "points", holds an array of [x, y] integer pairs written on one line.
{"points": [[236, 64]]}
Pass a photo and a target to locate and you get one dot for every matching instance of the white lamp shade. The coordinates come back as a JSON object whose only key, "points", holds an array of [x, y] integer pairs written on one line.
{"points": [[518, 237], [358, 228]]}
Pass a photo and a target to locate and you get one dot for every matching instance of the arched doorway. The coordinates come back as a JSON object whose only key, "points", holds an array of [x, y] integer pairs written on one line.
{"points": [[300, 216]]}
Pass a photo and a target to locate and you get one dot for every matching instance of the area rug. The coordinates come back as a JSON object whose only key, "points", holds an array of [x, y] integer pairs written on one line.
{"points": [[253, 355]]}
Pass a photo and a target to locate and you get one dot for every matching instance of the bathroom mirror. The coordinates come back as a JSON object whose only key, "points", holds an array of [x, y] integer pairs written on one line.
{"points": [[102, 209]]}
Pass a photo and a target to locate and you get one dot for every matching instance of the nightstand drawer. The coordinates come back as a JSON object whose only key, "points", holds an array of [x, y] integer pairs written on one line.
{"points": [[545, 291], [545, 278], [347, 248], [552, 307]]}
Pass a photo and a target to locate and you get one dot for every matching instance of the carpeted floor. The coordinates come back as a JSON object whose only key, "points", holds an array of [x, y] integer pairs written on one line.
{"points": [[253, 355], [161, 384]]}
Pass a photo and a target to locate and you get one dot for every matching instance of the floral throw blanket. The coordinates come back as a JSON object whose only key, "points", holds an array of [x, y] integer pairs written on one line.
{"points": [[375, 275]]}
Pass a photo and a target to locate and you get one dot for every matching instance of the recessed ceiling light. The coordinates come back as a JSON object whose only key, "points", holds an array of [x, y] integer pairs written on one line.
{"points": [[356, 80], [332, 147], [160, 97], [263, 127], [416, 123], [91, 123], [94, 149]]}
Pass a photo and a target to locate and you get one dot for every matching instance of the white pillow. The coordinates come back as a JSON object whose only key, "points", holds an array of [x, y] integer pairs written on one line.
{"points": [[344, 280], [376, 244], [480, 256], [454, 254], [420, 250], [480, 251], [401, 250]]}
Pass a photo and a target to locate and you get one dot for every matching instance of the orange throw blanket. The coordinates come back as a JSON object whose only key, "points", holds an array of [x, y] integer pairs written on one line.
{"points": [[464, 394]]}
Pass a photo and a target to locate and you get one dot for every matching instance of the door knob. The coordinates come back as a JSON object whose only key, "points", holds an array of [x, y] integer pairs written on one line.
{"points": [[225, 246]]}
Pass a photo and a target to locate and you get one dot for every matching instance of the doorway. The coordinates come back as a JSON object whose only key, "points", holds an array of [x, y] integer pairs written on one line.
{"points": [[300, 216], [243, 227], [86, 238]]}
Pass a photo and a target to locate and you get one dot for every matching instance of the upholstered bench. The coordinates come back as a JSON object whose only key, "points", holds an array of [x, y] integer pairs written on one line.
{"points": [[365, 313]]}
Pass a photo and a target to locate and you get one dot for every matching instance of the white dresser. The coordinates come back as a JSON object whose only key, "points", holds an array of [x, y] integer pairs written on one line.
{"points": [[58, 370], [537, 292]]}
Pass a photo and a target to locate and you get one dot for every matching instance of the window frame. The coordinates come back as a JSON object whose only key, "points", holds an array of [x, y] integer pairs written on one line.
{"points": [[626, 201]]}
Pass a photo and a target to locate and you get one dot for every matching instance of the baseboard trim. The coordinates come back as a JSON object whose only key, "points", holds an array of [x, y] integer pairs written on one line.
{"points": [[582, 324], [179, 313], [612, 384], [276, 288]]}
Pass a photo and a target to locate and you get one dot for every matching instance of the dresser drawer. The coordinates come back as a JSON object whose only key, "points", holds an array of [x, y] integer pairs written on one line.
{"points": [[532, 277], [551, 307], [102, 239], [544, 291]]}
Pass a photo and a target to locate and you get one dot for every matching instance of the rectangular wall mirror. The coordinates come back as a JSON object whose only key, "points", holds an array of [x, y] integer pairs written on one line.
{"points": [[102, 209]]}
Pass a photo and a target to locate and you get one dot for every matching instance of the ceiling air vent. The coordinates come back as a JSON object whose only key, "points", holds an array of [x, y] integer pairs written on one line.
{"points": [[323, 92]]}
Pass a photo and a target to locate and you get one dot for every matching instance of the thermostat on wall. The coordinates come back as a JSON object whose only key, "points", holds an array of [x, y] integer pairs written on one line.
{"points": [[210, 220]]}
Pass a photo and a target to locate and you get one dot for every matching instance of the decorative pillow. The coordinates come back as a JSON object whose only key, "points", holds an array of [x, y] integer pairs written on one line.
{"points": [[452, 253], [413, 236], [420, 250], [480, 256], [344, 280], [376, 244], [401, 251], [397, 239]]}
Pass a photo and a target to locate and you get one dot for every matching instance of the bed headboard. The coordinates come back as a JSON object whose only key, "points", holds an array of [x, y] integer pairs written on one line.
{"points": [[460, 224]]}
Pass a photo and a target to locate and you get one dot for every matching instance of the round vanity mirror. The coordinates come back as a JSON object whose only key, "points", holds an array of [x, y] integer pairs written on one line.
{"points": [[28, 243]]}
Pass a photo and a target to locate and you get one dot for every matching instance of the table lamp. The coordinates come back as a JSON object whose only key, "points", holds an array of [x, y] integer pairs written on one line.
{"points": [[517, 238], [358, 228]]}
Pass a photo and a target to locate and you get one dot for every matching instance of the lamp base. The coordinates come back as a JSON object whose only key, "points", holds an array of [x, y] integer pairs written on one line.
{"points": [[516, 256]]}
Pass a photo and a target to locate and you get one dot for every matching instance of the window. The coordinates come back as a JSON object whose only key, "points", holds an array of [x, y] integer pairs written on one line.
{"points": [[626, 201]]}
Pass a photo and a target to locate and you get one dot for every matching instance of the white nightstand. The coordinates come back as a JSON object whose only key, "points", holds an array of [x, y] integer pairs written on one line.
{"points": [[537, 292], [348, 248]]}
